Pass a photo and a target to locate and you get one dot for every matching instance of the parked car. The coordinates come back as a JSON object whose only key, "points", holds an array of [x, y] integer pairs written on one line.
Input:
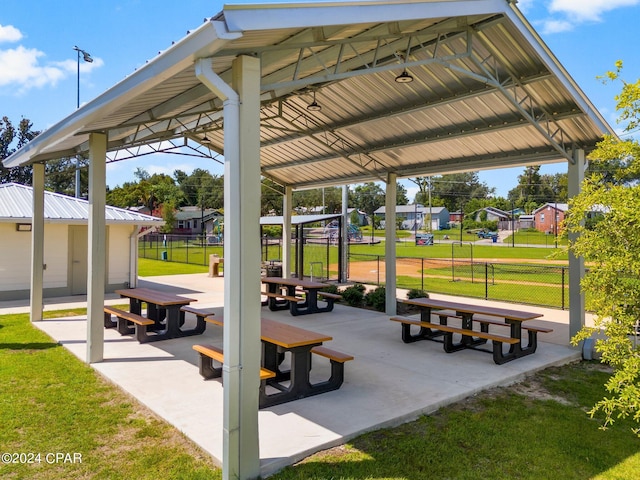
{"points": [[487, 234]]}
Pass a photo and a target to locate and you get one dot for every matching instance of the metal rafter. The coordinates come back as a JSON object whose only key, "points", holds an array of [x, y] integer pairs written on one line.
{"points": [[518, 95], [339, 146]]}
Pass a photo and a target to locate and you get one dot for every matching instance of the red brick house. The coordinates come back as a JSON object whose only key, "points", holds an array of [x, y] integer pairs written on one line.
{"points": [[549, 217]]}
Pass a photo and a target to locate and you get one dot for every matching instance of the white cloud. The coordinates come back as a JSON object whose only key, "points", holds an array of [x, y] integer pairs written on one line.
{"points": [[20, 67], [565, 15], [588, 10], [525, 5], [9, 33], [551, 25], [23, 68]]}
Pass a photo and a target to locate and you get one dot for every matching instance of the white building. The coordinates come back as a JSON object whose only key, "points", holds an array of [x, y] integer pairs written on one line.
{"points": [[66, 243]]}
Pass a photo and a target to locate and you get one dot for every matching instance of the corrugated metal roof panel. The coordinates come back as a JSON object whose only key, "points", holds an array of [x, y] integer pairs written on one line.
{"points": [[16, 203]]}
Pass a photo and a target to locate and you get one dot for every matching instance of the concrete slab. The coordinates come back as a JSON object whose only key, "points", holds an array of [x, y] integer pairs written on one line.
{"points": [[388, 383]]}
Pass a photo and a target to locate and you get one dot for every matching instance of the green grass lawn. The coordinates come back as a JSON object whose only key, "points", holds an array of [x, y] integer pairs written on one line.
{"points": [[52, 402]]}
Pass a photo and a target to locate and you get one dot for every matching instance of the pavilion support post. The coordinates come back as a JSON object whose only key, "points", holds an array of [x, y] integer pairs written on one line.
{"points": [[344, 258], [390, 244], [97, 247], [37, 243], [241, 337], [286, 231], [576, 264]]}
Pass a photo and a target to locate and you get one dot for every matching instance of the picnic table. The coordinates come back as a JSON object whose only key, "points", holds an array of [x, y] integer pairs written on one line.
{"points": [[163, 310], [291, 299], [467, 315], [286, 385]]}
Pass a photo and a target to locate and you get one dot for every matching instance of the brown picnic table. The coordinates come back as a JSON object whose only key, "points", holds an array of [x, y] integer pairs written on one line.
{"points": [[277, 339], [163, 308], [467, 315], [277, 300]]}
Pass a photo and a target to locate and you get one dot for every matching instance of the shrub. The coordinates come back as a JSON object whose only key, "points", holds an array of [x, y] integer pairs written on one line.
{"points": [[331, 288], [377, 299], [417, 293], [354, 295]]}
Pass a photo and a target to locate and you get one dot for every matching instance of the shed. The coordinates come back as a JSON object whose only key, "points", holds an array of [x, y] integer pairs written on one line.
{"points": [[65, 254]]}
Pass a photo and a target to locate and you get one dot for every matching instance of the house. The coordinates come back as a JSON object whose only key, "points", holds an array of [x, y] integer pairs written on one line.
{"points": [[456, 217], [414, 216], [491, 214], [65, 245], [526, 221], [194, 220], [549, 217], [359, 215]]}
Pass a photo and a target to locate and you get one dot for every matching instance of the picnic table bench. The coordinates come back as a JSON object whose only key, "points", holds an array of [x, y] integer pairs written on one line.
{"points": [[211, 353], [123, 320]]}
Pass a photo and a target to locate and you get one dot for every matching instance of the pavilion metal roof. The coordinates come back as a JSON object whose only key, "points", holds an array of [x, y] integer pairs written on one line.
{"points": [[16, 205], [486, 93]]}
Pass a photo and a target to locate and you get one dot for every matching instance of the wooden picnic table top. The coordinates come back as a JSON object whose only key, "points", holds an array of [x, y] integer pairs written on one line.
{"points": [[282, 334], [517, 315], [296, 282], [157, 297]]}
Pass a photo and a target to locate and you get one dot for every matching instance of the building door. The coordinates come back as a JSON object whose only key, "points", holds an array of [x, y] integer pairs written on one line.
{"points": [[78, 245]]}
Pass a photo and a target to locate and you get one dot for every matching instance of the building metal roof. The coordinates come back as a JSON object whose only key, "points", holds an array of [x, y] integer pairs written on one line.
{"points": [[298, 219], [411, 209], [486, 93], [16, 205]]}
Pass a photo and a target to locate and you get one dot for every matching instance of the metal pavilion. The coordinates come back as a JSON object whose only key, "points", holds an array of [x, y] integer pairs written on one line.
{"points": [[320, 94]]}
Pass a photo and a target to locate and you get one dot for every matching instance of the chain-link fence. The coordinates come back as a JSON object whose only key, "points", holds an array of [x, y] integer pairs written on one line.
{"points": [[527, 284], [178, 248], [458, 275]]}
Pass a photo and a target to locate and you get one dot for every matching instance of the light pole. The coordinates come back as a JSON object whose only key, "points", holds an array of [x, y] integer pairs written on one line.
{"points": [[87, 58]]}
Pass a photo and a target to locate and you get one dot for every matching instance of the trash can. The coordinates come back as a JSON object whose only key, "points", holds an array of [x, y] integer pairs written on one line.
{"points": [[494, 238], [163, 255], [274, 269]]}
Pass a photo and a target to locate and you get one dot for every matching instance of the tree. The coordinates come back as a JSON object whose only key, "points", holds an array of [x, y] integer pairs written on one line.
{"points": [[201, 188], [11, 140], [456, 189], [612, 247], [401, 194], [368, 198]]}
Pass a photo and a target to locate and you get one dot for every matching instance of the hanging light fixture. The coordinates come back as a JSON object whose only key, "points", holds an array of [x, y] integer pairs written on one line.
{"points": [[205, 140], [404, 77], [314, 106]]}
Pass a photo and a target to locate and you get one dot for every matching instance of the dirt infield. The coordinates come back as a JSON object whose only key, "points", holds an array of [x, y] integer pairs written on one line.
{"points": [[374, 272]]}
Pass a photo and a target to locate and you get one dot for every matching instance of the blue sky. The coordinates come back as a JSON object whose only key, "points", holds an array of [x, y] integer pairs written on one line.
{"points": [[38, 65]]}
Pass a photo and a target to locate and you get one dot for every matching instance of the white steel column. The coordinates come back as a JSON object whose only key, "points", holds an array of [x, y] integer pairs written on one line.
{"points": [[37, 243], [390, 244], [241, 337], [342, 278], [97, 247], [576, 264], [287, 200]]}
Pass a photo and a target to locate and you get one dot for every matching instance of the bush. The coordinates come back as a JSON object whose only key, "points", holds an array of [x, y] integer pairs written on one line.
{"points": [[331, 288], [377, 299], [354, 295], [417, 293]]}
